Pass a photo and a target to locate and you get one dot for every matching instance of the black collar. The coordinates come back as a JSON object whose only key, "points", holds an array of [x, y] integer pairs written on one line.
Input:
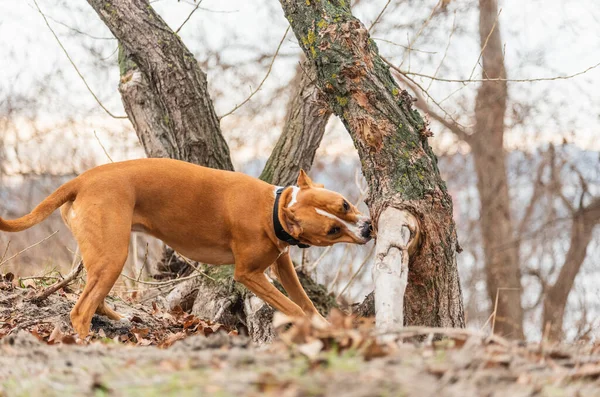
{"points": [[279, 230]]}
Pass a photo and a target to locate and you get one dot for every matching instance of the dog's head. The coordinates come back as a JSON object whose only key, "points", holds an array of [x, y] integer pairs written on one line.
{"points": [[317, 216]]}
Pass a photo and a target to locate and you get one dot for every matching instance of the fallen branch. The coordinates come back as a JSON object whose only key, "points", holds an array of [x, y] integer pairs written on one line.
{"points": [[56, 286]]}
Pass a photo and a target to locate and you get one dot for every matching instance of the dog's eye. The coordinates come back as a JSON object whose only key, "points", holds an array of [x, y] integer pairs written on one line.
{"points": [[346, 206], [333, 230]]}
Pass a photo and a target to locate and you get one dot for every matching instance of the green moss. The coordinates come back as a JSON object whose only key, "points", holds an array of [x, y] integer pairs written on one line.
{"points": [[342, 101], [322, 24], [311, 36], [395, 91], [313, 51]]}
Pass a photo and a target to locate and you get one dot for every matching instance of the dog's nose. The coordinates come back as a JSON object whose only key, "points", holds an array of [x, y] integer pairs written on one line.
{"points": [[367, 229]]}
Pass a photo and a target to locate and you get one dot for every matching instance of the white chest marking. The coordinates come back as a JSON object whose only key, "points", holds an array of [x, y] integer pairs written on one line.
{"points": [[352, 227]]}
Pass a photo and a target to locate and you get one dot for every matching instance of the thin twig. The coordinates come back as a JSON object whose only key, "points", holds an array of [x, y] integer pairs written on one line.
{"points": [[412, 42], [25, 249], [311, 268], [376, 21], [5, 252], [485, 43], [189, 16], [79, 31], [495, 313], [533, 80], [103, 148], [263, 80], [445, 51], [75, 66], [403, 46], [364, 262], [143, 264], [56, 286], [424, 91], [168, 282]]}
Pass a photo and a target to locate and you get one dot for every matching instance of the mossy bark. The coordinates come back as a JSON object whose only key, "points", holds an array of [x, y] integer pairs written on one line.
{"points": [[391, 139]]}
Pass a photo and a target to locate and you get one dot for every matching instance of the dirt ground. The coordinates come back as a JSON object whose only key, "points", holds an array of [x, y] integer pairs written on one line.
{"points": [[155, 352]]}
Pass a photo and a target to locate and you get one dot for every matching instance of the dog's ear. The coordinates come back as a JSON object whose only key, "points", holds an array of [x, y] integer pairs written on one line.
{"points": [[319, 185], [291, 222], [304, 182]]}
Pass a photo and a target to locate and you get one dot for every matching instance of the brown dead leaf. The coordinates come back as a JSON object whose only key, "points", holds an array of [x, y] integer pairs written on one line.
{"points": [[56, 335], [68, 340], [172, 339]]}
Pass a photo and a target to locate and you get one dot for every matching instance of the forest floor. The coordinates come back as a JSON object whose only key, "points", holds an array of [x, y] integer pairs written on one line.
{"points": [[155, 352]]}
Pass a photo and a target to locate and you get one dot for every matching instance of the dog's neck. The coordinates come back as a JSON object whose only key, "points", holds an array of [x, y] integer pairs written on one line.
{"points": [[278, 227]]}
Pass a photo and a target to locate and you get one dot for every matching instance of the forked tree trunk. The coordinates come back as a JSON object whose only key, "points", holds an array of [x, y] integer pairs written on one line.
{"points": [[165, 96], [399, 165], [502, 268], [556, 297]]}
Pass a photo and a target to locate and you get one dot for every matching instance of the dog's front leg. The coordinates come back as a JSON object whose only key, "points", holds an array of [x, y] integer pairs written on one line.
{"points": [[257, 282], [289, 280]]}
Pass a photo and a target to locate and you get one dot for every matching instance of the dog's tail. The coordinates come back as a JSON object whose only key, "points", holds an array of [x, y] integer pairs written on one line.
{"points": [[66, 192]]}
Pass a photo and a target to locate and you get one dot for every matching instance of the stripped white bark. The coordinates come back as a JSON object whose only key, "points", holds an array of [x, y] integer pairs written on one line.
{"points": [[395, 234]]}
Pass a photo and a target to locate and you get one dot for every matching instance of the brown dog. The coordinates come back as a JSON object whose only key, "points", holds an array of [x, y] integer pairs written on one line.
{"points": [[208, 215]]}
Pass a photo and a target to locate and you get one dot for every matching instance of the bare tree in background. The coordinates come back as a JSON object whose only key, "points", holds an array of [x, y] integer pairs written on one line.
{"points": [[500, 234], [503, 274]]}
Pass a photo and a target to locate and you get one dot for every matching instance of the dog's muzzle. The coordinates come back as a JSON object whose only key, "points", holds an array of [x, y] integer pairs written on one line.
{"points": [[366, 230]]}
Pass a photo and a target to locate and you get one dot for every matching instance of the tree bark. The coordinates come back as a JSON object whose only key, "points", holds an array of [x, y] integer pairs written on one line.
{"points": [[179, 116], [305, 121], [555, 301], [165, 96], [502, 268], [391, 138]]}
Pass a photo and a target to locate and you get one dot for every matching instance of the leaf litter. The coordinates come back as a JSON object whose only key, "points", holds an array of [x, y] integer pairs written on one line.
{"points": [[175, 353]]}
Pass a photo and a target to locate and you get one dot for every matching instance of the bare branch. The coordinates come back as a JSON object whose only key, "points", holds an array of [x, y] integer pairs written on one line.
{"points": [[376, 21], [532, 80], [263, 80], [56, 286], [447, 120], [75, 66], [189, 16], [103, 148], [25, 249]]}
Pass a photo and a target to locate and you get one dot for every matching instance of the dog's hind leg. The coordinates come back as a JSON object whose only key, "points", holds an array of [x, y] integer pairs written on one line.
{"points": [[103, 236]]}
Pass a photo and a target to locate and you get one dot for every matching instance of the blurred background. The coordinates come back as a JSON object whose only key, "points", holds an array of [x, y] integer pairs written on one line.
{"points": [[52, 129]]}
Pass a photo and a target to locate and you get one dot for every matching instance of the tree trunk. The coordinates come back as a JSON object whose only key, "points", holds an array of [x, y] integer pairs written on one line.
{"points": [[178, 118], [165, 96], [391, 138], [555, 301], [503, 274], [305, 122]]}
